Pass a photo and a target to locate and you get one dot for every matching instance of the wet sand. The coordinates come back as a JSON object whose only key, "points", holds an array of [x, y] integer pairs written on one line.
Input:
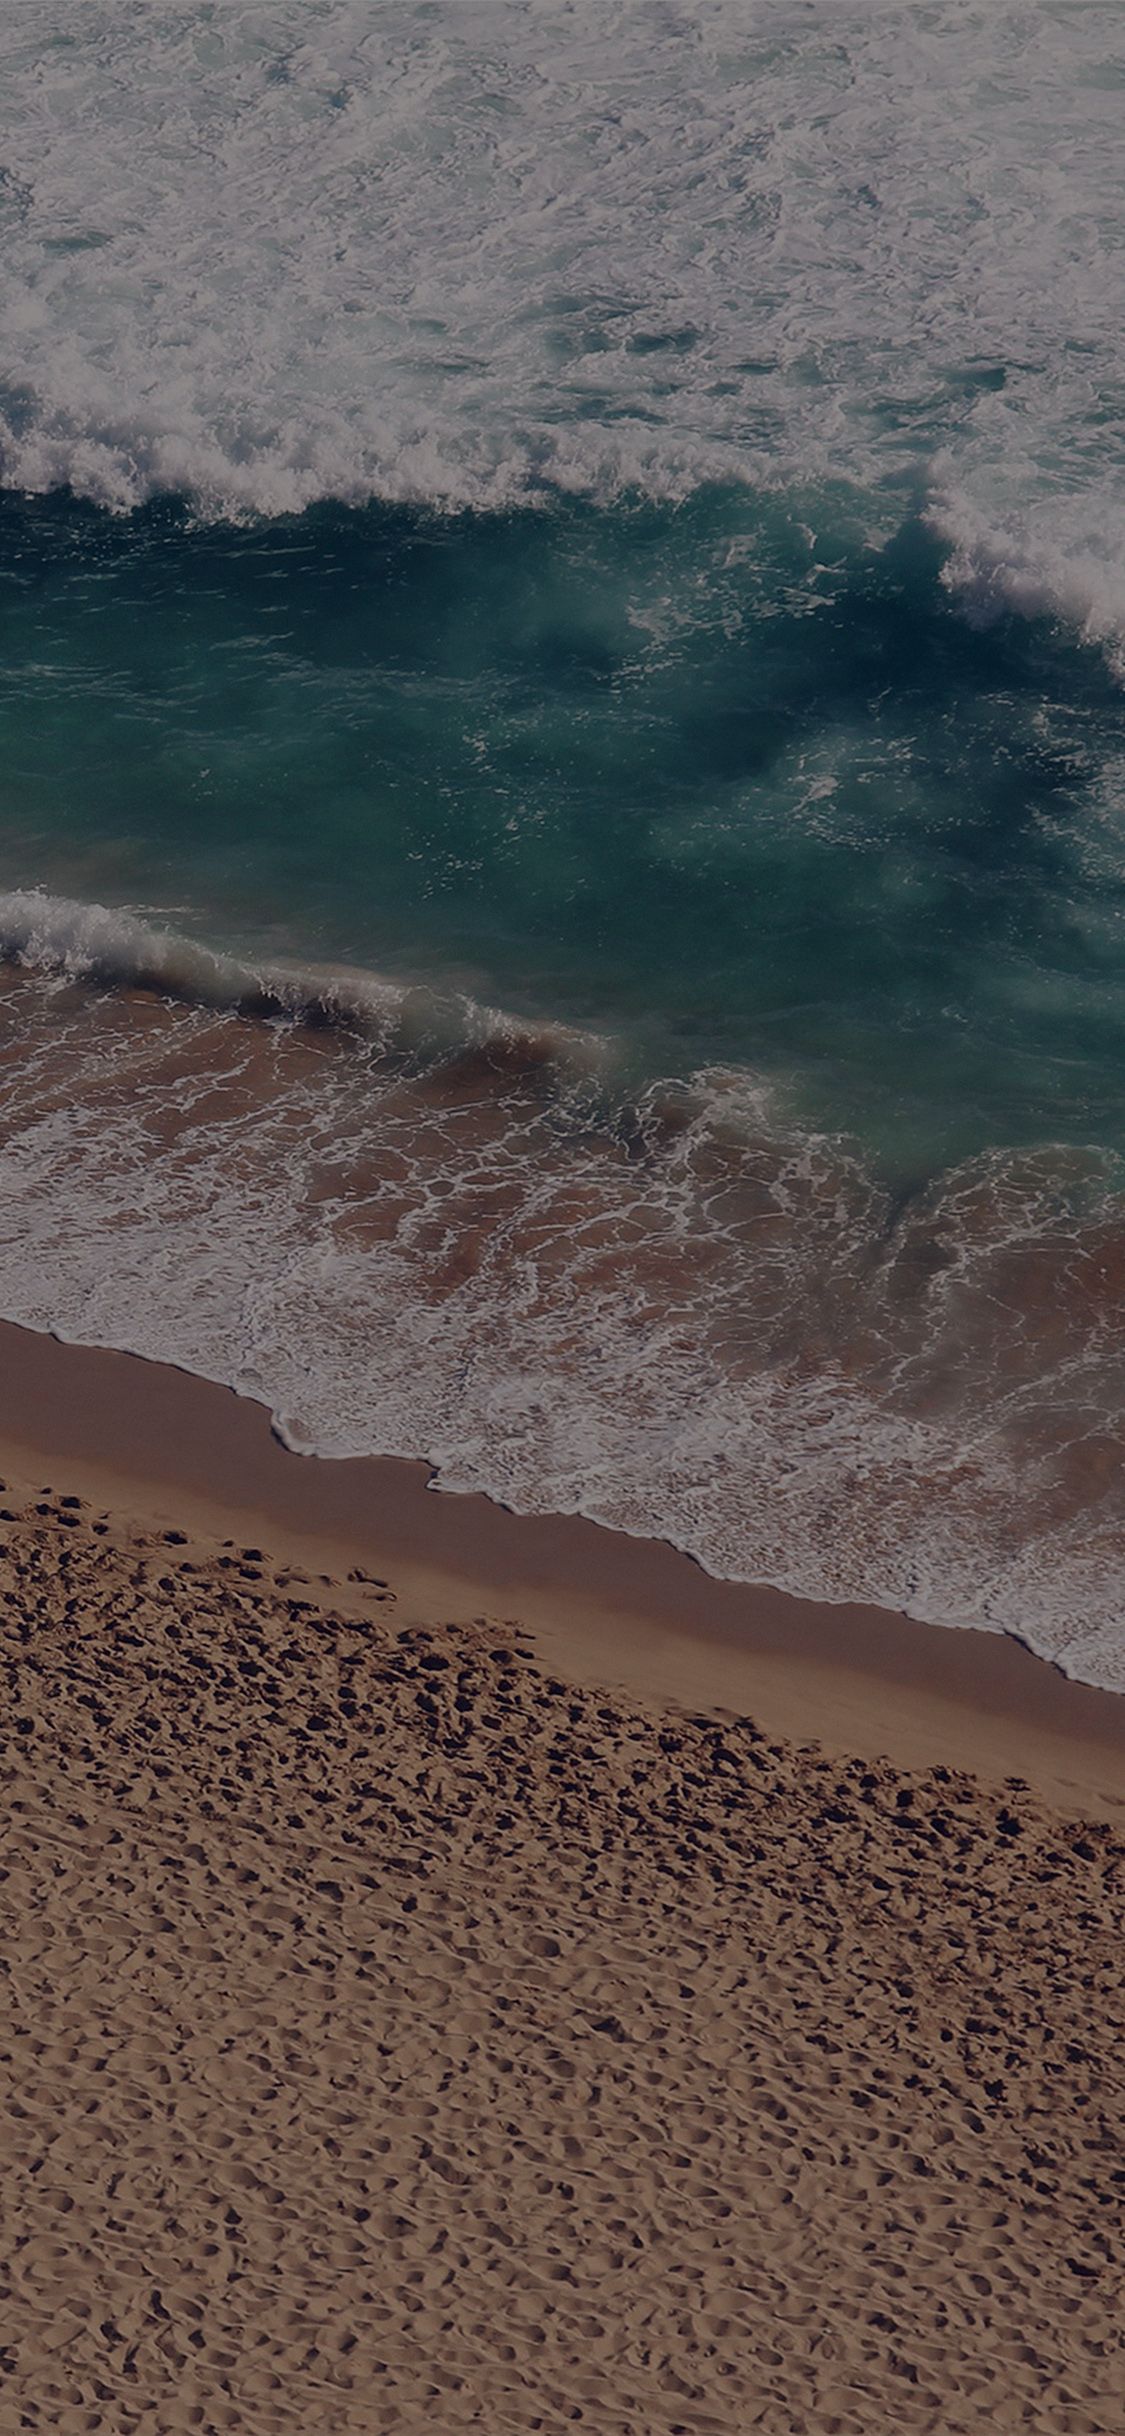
{"points": [[425, 2010], [150, 1441]]}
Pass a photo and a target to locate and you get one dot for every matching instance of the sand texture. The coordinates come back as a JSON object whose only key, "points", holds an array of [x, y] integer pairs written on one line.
{"points": [[396, 2038]]}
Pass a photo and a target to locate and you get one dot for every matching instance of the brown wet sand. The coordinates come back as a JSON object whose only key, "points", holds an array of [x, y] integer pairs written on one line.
{"points": [[403, 2032]]}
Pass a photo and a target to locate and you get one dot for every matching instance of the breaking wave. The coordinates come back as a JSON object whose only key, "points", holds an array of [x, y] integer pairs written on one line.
{"points": [[66, 940]]}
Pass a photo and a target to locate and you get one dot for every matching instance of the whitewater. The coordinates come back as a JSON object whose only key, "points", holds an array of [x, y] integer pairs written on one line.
{"points": [[471, 255]]}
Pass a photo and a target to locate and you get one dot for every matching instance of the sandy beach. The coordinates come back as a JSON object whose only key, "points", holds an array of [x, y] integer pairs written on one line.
{"points": [[471, 1973]]}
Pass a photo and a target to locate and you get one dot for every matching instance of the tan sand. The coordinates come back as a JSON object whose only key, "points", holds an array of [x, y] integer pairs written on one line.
{"points": [[400, 2036], [147, 1440]]}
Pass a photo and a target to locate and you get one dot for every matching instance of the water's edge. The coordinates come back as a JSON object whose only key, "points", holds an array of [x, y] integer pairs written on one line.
{"points": [[411, 1229], [152, 1444]]}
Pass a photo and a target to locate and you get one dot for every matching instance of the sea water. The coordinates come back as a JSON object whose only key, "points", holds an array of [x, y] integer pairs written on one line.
{"points": [[562, 757]]}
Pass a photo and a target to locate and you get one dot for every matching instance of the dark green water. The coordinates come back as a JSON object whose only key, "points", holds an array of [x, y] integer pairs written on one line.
{"points": [[720, 779]]}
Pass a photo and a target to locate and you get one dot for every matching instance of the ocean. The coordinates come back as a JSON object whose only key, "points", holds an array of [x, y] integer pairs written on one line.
{"points": [[562, 758]]}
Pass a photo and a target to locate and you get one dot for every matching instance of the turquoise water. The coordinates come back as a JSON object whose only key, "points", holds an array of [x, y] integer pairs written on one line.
{"points": [[562, 757], [717, 778]]}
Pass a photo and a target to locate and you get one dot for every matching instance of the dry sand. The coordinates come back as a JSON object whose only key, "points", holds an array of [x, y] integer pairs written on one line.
{"points": [[401, 2035]]}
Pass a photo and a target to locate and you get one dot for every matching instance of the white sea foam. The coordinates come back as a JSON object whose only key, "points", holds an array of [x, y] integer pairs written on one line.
{"points": [[467, 252], [1061, 559]]}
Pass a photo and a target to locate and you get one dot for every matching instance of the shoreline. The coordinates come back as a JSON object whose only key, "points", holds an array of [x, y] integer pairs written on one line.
{"points": [[157, 1445], [377, 1302]]}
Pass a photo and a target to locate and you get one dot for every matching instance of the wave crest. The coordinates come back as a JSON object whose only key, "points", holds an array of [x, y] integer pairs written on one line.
{"points": [[1068, 567], [64, 938]]}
